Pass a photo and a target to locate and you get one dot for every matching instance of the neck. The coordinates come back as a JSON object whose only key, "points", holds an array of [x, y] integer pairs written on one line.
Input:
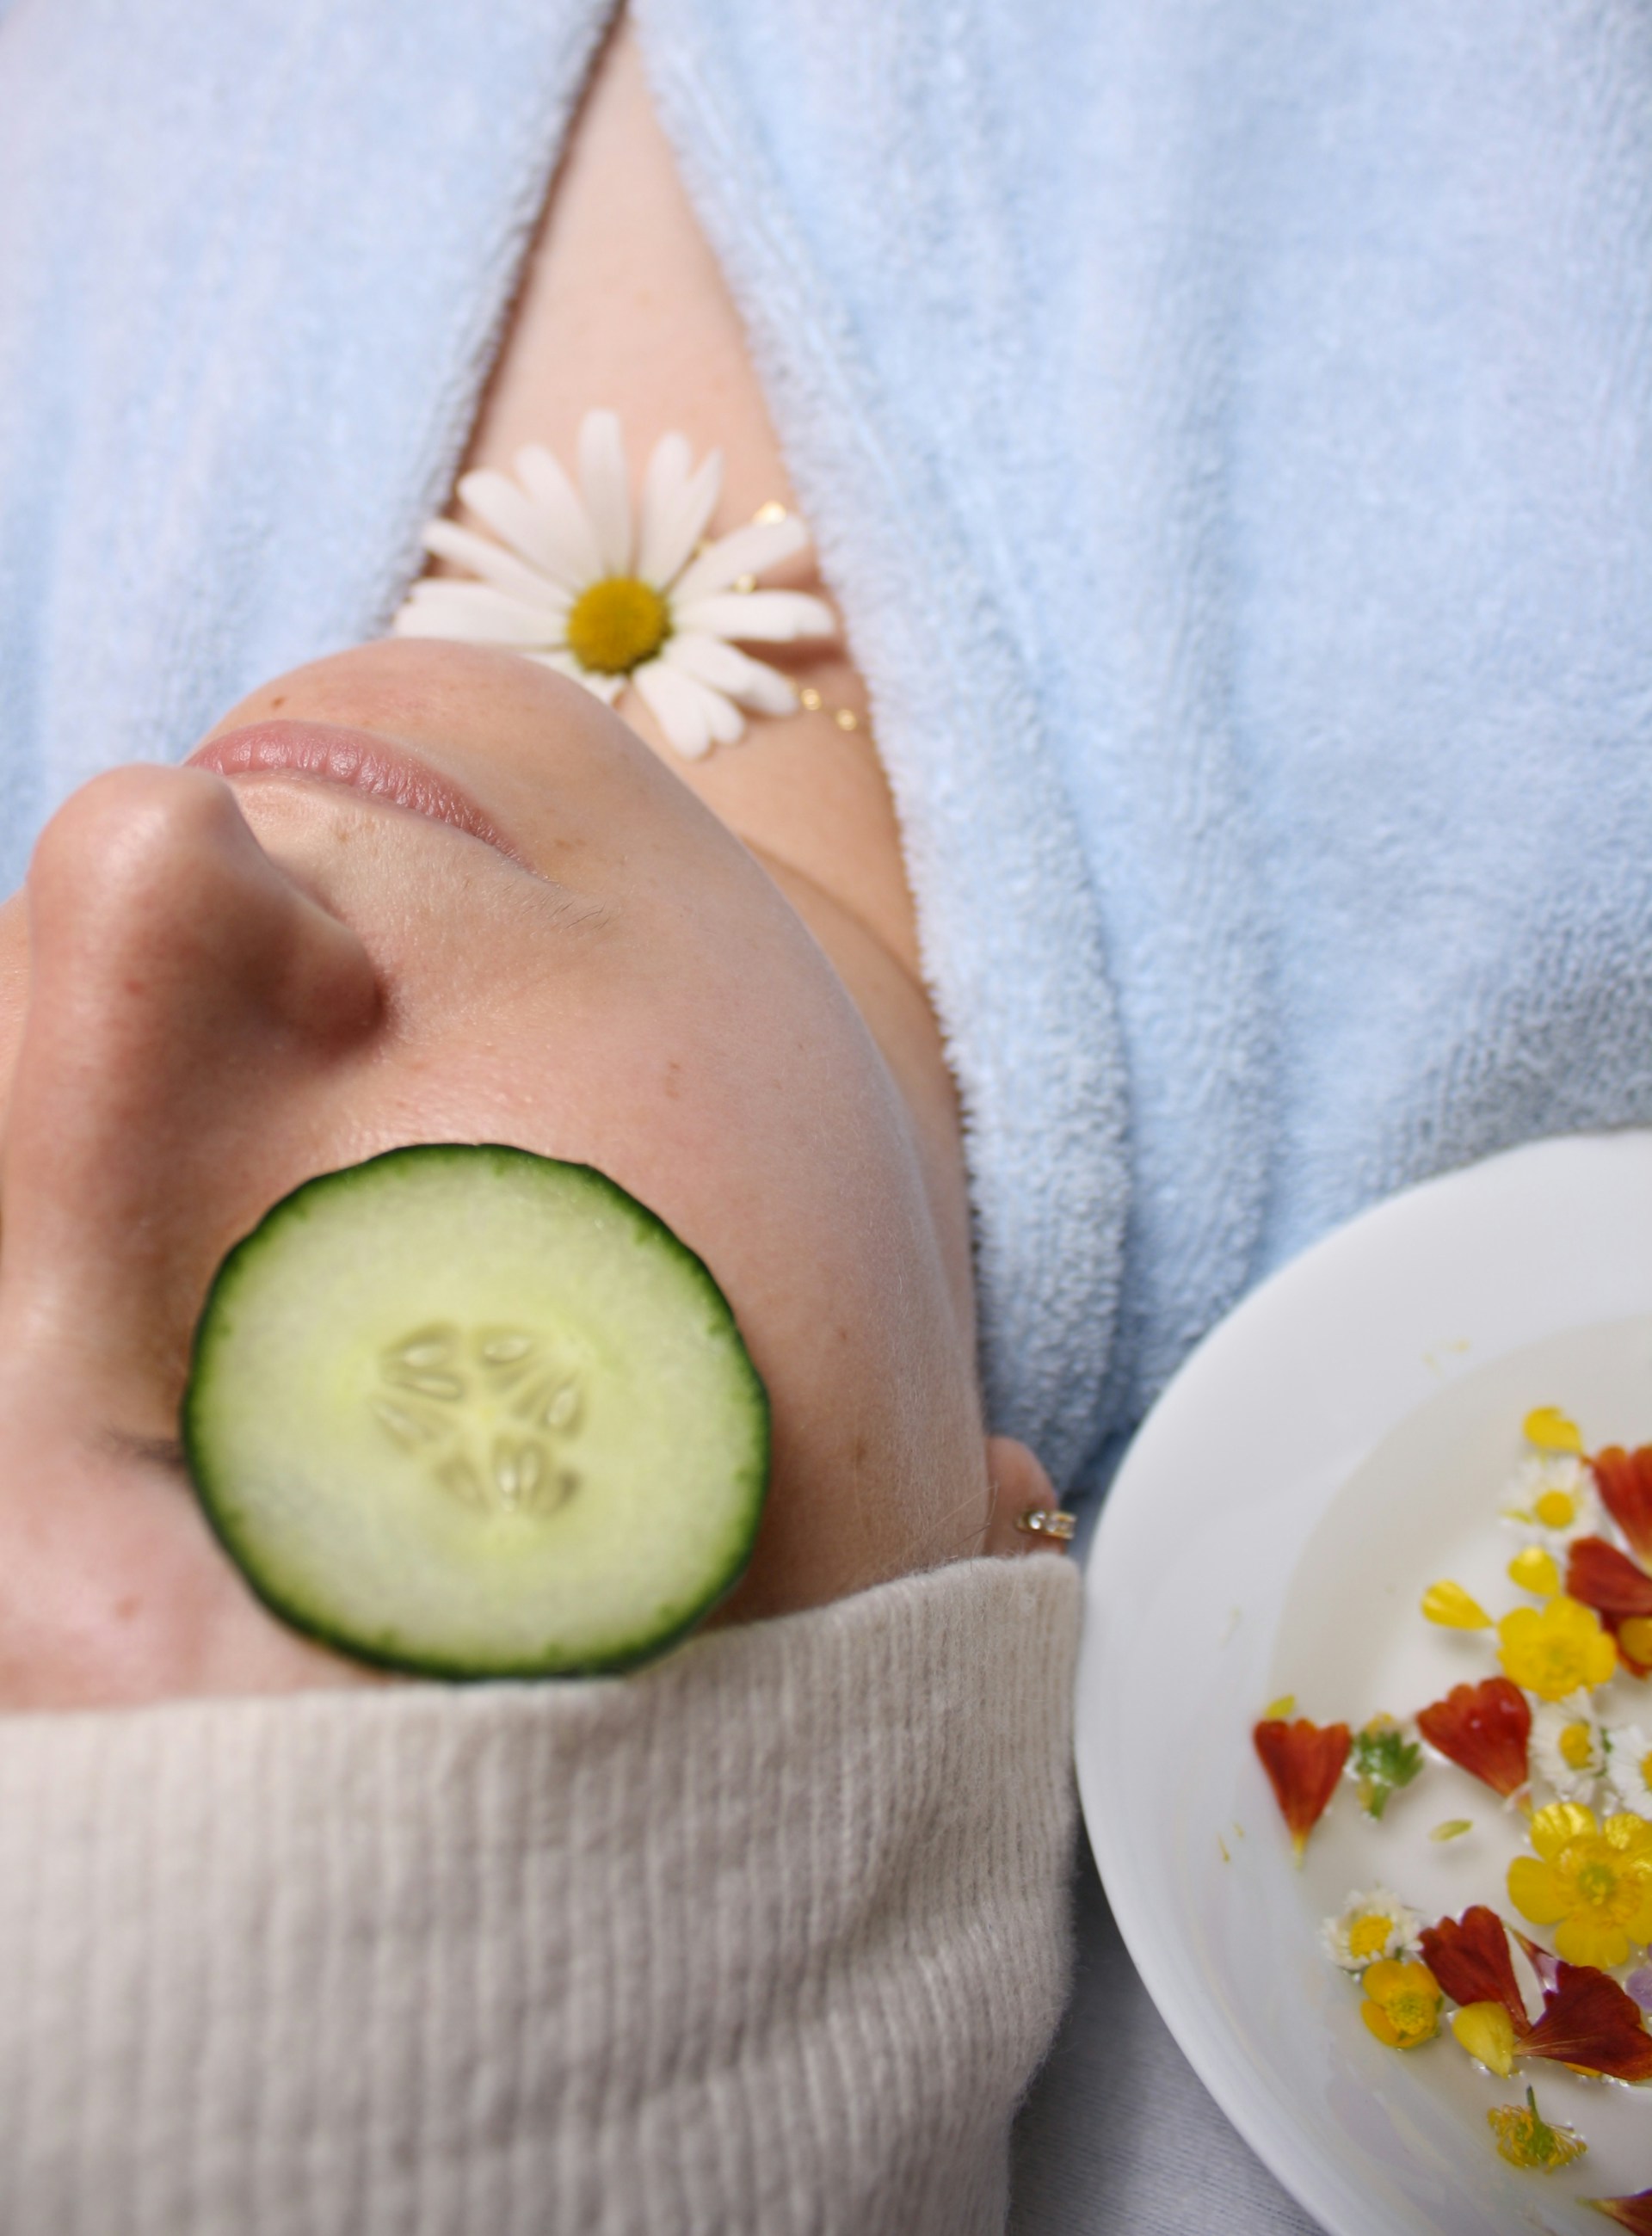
{"points": [[624, 304]]}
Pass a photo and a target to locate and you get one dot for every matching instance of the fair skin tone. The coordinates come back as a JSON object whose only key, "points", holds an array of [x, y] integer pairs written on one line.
{"points": [[221, 980]]}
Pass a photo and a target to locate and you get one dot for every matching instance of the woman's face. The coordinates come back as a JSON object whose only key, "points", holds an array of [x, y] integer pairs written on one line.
{"points": [[426, 892]]}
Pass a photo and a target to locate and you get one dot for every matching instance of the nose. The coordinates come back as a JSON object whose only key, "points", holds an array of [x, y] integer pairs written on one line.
{"points": [[185, 1000]]}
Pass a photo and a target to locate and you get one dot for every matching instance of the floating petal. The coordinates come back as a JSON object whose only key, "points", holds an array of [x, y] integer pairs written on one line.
{"points": [[1526, 2139], [1487, 2032], [1552, 1431], [1484, 1729], [1470, 1959], [1546, 1967], [1621, 1594], [1450, 1606], [1625, 1482], [1303, 1762], [1634, 2213], [1558, 1649], [1534, 1570], [1588, 2019], [1402, 2005]]}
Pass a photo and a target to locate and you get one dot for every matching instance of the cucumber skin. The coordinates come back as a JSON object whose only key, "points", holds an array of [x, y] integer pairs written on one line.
{"points": [[382, 1653]]}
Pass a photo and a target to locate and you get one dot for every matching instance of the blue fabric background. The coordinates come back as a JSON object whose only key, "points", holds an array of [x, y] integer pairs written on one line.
{"points": [[1225, 421]]}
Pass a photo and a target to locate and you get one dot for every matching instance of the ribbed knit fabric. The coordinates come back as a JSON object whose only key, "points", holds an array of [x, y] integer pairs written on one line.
{"points": [[768, 1938]]}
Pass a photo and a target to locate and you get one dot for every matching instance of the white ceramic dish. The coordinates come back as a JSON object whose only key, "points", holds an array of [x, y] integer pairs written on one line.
{"points": [[1334, 1444]]}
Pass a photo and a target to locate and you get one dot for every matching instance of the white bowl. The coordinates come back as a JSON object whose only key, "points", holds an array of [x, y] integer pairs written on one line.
{"points": [[1335, 1443]]}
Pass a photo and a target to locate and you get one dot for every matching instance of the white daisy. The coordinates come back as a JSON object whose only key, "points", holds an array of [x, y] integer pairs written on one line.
{"points": [[1370, 1925], [580, 585], [1568, 1747], [1553, 1495], [1629, 1767]]}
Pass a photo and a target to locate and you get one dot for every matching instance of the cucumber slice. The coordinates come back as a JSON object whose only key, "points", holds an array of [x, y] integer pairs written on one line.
{"points": [[476, 1413]]}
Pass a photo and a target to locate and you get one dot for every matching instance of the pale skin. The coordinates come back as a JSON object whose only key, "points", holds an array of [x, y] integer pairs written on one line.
{"points": [[701, 978]]}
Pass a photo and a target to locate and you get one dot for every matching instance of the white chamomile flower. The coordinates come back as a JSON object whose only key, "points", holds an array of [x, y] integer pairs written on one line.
{"points": [[580, 584], [1553, 1495], [1369, 1926], [1629, 1767], [1568, 1747]]}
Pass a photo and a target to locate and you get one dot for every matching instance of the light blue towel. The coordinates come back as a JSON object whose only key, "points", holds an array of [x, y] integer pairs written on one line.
{"points": [[1226, 423]]}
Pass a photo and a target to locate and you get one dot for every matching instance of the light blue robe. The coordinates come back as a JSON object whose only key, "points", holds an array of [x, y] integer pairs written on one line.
{"points": [[1225, 421]]}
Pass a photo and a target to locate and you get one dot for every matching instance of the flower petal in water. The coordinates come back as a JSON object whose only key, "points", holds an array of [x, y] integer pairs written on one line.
{"points": [[1525, 2138], [1303, 1761], [1402, 2005], [1484, 1729], [1470, 1959]]}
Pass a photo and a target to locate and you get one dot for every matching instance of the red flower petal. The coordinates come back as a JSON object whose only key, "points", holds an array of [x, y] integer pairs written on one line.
{"points": [[1303, 1762], [1588, 2019], [1470, 1959], [1607, 1581], [1484, 1729], [1625, 1480], [1634, 2213], [1545, 1965]]}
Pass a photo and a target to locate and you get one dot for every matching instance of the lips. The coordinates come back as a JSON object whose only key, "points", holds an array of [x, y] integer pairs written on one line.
{"points": [[356, 760]]}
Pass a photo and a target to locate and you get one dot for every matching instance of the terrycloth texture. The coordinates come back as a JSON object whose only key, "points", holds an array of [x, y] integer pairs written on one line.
{"points": [[1226, 423], [765, 1942]]}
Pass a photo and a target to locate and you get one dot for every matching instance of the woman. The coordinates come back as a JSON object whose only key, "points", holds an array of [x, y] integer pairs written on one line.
{"points": [[428, 891], [1221, 427]]}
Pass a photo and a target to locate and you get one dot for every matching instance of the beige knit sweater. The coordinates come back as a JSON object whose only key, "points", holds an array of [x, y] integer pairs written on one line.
{"points": [[769, 1938]]}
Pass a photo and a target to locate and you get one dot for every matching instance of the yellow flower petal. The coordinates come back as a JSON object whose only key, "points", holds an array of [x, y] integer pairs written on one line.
{"points": [[1486, 2031], [1559, 1824], [1387, 1977], [1588, 1941], [1551, 1432], [1556, 1649], [1449, 1605], [1280, 1711], [1629, 1834], [1380, 2023], [1451, 1828], [1536, 1891], [1534, 1570]]}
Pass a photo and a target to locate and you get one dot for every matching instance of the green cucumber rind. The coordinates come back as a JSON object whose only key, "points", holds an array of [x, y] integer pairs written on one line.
{"points": [[377, 1653]]}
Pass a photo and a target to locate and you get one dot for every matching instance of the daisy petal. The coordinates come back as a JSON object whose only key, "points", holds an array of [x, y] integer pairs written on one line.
{"points": [[569, 552], [449, 541], [690, 714], [675, 521], [748, 550], [605, 687], [603, 479], [710, 661], [532, 530], [768, 616], [476, 613]]}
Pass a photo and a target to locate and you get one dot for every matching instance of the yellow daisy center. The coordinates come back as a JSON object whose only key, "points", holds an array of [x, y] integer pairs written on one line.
{"points": [[617, 624], [1557, 1509], [1575, 1746], [1368, 1936], [1646, 1771], [1636, 1634]]}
